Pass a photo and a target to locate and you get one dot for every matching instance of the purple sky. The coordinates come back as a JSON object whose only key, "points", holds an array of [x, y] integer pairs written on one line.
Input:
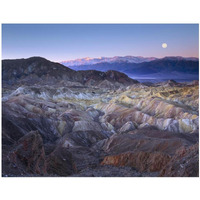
{"points": [[58, 42]]}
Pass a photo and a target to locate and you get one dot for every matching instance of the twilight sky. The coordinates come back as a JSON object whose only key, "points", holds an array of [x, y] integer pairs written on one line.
{"points": [[58, 42]]}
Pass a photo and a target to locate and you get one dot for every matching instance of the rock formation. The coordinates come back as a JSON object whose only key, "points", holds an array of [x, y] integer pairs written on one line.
{"points": [[59, 122]]}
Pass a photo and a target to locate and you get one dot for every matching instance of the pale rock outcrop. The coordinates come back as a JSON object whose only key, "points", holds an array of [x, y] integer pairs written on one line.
{"points": [[86, 126], [144, 125], [187, 126], [128, 126], [93, 113]]}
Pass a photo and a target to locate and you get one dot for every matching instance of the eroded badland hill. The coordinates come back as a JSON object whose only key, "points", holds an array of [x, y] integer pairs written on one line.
{"points": [[59, 122]]}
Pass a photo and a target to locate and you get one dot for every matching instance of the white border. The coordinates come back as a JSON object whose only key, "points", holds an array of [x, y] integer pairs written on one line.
{"points": [[104, 11], [96, 11]]}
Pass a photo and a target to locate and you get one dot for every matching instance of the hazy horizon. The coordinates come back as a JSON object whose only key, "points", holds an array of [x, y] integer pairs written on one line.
{"points": [[60, 42], [95, 57]]}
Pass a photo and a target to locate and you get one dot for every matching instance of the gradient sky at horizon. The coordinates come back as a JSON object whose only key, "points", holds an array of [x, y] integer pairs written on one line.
{"points": [[59, 42]]}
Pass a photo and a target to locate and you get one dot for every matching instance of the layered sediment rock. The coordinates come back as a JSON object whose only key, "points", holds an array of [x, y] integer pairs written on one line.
{"points": [[27, 156], [152, 106], [60, 162], [142, 161], [185, 163], [150, 150]]}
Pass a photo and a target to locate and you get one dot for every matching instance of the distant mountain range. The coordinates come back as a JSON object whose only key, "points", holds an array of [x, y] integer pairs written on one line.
{"points": [[141, 67], [91, 61]]}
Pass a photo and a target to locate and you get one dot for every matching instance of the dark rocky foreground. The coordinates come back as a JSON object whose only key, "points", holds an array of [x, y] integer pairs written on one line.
{"points": [[59, 122]]}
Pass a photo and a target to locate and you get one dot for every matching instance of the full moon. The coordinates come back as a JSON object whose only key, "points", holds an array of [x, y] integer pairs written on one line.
{"points": [[164, 45]]}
